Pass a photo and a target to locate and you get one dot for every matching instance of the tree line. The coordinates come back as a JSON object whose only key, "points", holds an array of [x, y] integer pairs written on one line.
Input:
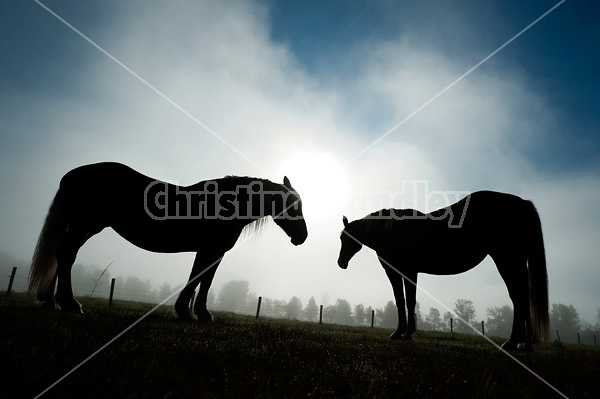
{"points": [[235, 296]]}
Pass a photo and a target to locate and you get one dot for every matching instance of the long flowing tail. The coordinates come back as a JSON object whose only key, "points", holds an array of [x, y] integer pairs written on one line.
{"points": [[44, 264], [538, 280]]}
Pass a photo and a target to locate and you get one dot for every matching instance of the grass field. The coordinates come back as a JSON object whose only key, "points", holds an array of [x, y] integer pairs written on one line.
{"points": [[238, 356]]}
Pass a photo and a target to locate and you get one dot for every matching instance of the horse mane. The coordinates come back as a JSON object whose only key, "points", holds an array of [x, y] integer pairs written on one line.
{"points": [[382, 221], [230, 182], [256, 227]]}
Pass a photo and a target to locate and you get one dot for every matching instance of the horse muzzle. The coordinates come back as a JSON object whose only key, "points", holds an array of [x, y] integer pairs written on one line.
{"points": [[343, 264], [298, 241]]}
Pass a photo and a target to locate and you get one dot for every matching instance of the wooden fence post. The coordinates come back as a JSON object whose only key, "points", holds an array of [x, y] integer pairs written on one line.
{"points": [[112, 291], [258, 307], [482, 328], [578, 339], [320, 314], [558, 335], [372, 318], [451, 329], [12, 279]]}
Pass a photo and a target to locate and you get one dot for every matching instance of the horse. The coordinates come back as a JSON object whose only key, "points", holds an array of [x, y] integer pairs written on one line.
{"points": [[453, 240], [206, 218]]}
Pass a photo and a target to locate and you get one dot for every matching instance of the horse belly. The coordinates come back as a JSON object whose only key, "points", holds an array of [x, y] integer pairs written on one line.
{"points": [[448, 262]]}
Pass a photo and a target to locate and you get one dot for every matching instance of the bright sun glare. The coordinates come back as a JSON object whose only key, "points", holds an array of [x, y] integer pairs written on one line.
{"points": [[321, 181]]}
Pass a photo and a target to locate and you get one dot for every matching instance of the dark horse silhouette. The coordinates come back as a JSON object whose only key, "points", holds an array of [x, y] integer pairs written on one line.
{"points": [[453, 240], [206, 218]]}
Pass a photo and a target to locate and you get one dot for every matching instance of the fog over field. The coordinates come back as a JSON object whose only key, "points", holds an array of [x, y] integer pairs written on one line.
{"points": [[336, 96]]}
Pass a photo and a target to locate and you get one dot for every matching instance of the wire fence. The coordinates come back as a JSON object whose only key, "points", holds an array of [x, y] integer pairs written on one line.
{"points": [[264, 307]]}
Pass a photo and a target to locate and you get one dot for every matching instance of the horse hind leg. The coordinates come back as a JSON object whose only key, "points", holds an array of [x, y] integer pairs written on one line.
{"points": [[65, 255], [47, 298], [514, 274]]}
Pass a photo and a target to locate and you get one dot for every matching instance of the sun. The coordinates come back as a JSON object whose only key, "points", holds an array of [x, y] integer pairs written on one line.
{"points": [[321, 181]]}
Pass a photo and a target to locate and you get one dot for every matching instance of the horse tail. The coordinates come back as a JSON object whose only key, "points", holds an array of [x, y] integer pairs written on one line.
{"points": [[44, 263], [538, 279]]}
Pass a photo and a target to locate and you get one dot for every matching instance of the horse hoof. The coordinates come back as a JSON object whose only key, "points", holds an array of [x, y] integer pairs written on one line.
{"points": [[509, 346], [69, 305], [407, 337], [525, 347], [184, 315], [205, 317], [48, 304]]}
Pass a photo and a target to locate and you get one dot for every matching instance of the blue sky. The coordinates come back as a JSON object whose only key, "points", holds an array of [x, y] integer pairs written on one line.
{"points": [[275, 79], [558, 58]]}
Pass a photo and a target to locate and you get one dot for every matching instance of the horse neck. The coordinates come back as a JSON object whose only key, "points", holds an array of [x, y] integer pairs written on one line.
{"points": [[272, 199], [261, 205], [370, 231]]}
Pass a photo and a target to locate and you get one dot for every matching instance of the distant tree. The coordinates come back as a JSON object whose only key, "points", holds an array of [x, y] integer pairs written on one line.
{"points": [[311, 312], [325, 299], [340, 313], [447, 317], [134, 289], [233, 295], [418, 318], [465, 310], [368, 315], [565, 319], [587, 333], [343, 312], [389, 317], [279, 308], [266, 307], [163, 293], [329, 314], [499, 322], [359, 314], [251, 303], [211, 298], [434, 320], [294, 308]]}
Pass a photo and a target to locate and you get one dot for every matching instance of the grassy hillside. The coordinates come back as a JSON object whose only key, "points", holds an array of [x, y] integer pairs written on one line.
{"points": [[238, 356]]}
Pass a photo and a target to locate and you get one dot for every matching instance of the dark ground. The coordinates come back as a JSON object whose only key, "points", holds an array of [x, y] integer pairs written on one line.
{"points": [[238, 356]]}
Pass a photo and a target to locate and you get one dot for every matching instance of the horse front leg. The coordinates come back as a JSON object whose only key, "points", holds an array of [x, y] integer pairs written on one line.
{"points": [[200, 309], [203, 271], [396, 281]]}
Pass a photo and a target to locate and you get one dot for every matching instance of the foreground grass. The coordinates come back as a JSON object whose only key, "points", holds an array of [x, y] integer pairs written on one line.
{"points": [[240, 357]]}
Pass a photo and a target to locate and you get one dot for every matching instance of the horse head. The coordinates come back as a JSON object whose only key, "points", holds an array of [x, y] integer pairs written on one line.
{"points": [[350, 244], [291, 219]]}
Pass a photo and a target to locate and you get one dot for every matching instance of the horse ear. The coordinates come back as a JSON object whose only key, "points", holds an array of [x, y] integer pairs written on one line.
{"points": [[345, 220], [286, 182]]}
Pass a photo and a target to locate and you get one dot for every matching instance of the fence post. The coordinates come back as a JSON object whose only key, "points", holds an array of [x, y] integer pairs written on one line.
{"points": [[372, 318], [558, 335], [482, 328], [12, 279], [451, 329], [258, 307], [112, 291], [578, 339], [320, 314]]}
